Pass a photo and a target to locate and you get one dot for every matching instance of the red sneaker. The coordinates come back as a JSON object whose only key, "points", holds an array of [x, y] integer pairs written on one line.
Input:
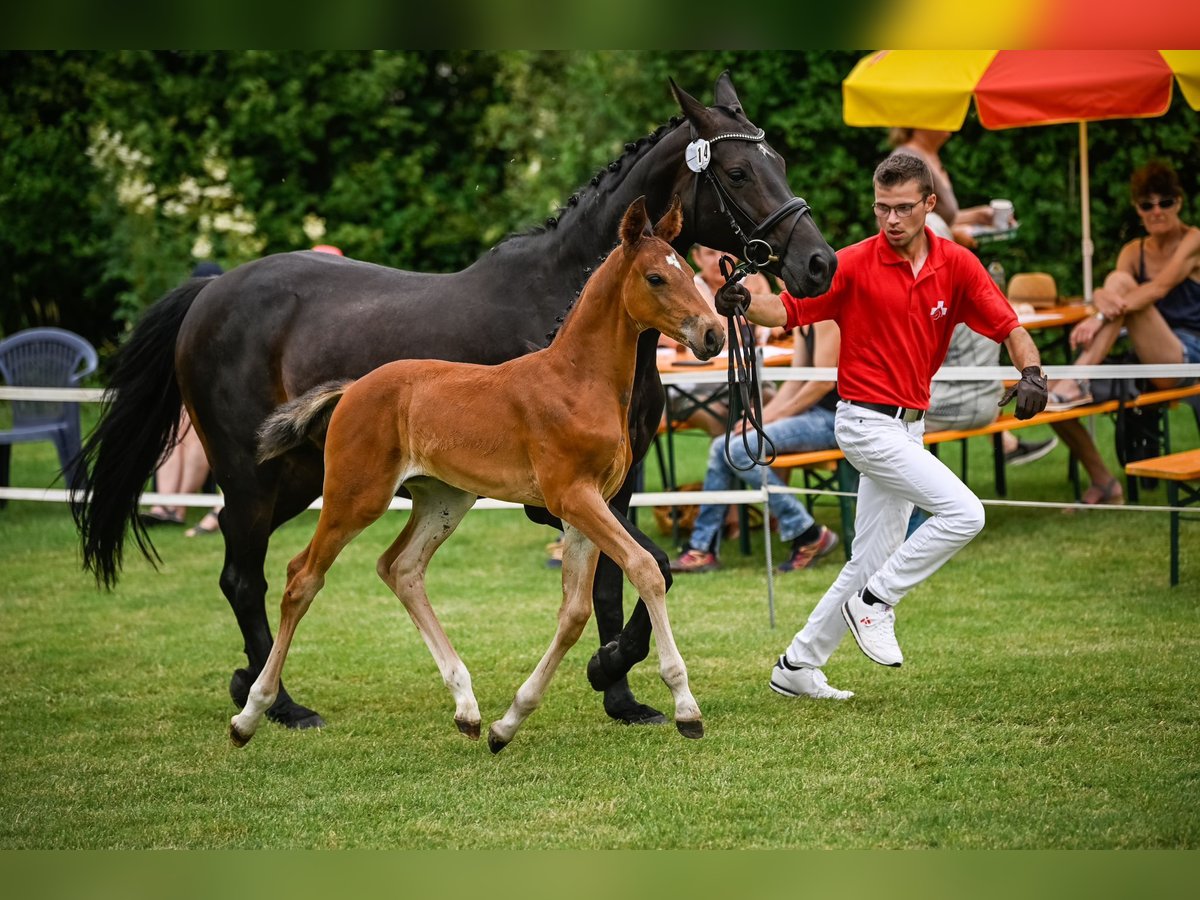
{"points": [[695, 561], [808, 554]]}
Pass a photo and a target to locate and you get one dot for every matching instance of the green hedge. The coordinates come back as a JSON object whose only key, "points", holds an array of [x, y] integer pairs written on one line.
{"points": [[120, 167]]}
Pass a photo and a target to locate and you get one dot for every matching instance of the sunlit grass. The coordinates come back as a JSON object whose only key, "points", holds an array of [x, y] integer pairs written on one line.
{"points": [[1048, 698]]}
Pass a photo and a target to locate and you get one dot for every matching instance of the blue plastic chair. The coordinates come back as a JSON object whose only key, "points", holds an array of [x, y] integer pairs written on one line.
{"points": [[45, 357]]}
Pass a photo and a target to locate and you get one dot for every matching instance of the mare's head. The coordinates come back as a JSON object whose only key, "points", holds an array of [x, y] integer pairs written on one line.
{"points": [[659, 290], [739, 178]]}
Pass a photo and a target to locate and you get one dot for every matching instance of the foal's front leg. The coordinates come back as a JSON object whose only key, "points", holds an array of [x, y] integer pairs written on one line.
{"points": [[578, 570]]}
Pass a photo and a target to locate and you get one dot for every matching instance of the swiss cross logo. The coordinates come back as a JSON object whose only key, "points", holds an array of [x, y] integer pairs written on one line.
{"points": [[939, 311], [865, 620]]}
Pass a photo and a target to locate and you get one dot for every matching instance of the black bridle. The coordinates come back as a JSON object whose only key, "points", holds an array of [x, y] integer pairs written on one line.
{"points": [[757, 253]]}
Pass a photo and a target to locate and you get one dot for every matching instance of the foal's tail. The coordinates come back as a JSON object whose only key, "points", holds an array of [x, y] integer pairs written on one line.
{"points": [[138, 424], [304, 419]]}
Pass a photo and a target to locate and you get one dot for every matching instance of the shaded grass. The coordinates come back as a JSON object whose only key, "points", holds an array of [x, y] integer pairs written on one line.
{"points": [[1048, 699]]}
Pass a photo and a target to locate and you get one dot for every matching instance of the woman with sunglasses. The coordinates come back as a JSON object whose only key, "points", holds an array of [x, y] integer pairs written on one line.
{"points": [[1154, 294]]}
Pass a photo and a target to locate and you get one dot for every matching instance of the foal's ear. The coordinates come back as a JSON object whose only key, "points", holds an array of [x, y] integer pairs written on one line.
{"points": [[671, 223], [725, 93], [697, 113], [635, 223]]}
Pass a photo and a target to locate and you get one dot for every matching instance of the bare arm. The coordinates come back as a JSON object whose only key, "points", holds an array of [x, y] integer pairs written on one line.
{"points": [[1021, 349], [1182, 263]]}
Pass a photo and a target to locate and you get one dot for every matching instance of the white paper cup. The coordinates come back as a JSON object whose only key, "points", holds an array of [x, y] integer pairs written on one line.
{"points": [[1002, 214]]}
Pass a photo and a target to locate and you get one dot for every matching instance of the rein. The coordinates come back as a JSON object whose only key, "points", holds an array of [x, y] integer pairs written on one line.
{"points": [[742, 376], [757, 253]]}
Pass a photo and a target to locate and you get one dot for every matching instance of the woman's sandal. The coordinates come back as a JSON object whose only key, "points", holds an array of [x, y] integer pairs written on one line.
{"points": [[150, 518], [1056, 402], [202, 528], [1109, 494]]}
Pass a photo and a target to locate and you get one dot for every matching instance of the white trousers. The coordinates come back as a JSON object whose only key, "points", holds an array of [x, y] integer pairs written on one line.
{"points": [[896, 472]]}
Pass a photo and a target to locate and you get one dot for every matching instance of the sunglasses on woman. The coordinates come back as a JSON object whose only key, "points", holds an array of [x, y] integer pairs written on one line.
{"points": [[1164, 203]]}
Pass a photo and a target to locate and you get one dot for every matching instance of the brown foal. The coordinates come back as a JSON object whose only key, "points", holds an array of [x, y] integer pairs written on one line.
{"points": [[548, 429]]}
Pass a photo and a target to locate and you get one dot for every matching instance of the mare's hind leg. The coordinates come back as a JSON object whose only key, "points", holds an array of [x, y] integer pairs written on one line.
{"points": [[346, 512], [579, 565], [587, 510], [437, 510], [253, 509], [620, 649]]}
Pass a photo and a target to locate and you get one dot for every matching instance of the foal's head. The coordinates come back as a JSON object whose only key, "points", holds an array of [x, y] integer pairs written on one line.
{"points": [[659, 291]]}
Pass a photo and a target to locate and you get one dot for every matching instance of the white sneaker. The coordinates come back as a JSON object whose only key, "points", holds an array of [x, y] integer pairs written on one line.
{"points": [[803, 681], [874, 630]]}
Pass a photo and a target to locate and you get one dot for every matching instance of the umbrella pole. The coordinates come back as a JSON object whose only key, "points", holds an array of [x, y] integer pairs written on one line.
{"points": [[1086, 209]]}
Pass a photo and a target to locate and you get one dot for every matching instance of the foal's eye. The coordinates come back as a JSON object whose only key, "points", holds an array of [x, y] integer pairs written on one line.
{"points": [[656, 280]]}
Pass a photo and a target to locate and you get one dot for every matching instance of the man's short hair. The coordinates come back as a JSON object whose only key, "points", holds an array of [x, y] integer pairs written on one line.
{"points": [[902, 167], [1156, 177]]}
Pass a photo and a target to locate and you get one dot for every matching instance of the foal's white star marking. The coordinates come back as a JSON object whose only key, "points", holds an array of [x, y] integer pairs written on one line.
{"points": [[672, 261]]}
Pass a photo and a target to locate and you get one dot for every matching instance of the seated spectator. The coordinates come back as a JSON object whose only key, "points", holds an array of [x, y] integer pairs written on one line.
{"points": [[797, 419], [1154, 295], [185, 468]]}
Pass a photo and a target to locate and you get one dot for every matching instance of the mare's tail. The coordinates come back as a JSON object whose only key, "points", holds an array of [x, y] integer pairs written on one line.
{"points": [[137, 426], [304, 419]]}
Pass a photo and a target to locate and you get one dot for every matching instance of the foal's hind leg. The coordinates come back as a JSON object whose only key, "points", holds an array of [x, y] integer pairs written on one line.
{"points": [[579, 565], [343, 516], [437, 510]]}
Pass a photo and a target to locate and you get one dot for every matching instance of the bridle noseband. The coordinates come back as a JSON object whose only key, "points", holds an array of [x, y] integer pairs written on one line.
{"points": [[757, 253], [755, 249]]}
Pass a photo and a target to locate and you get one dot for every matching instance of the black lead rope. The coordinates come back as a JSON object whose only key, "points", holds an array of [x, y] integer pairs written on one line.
{"points": [[743, 378]]}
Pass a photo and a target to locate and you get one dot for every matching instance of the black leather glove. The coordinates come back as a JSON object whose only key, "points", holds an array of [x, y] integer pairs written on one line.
{"points": [[1030, 392], [730, 297]]}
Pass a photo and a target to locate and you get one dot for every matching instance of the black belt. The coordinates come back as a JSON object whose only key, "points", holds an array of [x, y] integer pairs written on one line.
{"points": [[896, 412]]}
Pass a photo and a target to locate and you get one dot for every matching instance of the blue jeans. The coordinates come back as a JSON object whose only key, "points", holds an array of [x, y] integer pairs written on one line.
{"points": [[811, 430]]}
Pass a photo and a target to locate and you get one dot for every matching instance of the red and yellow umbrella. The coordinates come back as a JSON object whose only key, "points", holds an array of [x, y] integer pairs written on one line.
{"points": [[1014, 88]]}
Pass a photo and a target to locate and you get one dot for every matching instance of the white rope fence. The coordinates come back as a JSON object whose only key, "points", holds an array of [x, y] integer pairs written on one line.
{"points": [[674, 498]]}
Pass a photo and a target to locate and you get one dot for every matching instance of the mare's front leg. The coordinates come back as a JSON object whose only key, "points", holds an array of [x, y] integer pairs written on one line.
{"points": [[621, 650], [579, 565], [252, 510], [437, 510], [587, 511]]}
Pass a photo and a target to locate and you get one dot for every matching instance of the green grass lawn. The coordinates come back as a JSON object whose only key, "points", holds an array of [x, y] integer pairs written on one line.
{"points": [[1048, 698]]}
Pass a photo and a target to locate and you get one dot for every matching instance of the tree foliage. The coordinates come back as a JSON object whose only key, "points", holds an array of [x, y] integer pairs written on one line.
{"points": [[122, 169]]}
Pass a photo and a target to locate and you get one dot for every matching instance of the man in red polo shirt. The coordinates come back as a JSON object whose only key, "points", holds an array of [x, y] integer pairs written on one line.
{"points": [[897, 297]]}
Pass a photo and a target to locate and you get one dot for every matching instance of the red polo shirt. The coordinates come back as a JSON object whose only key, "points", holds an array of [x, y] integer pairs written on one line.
{"points": [[896, 327]]}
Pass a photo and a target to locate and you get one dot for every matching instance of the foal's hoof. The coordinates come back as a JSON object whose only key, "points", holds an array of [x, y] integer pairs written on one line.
{"points": [[693, 729], [495, 744], [285, 711], [237, 738], [470, 729]]}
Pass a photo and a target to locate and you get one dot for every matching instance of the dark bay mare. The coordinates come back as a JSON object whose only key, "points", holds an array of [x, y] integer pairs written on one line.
{"points": [[235, 347]]}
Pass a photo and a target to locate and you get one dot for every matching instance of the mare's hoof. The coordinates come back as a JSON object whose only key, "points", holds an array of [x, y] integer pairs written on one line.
{"points": [[620, 705], [494, 742], [293, 715], [693, 729], [596, 676], [239, 687], [470, 729], [237, 738]]}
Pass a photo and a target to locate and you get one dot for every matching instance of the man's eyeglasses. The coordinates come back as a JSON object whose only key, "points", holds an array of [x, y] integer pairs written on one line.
{"points": [[902, 210], [1164, 203]]}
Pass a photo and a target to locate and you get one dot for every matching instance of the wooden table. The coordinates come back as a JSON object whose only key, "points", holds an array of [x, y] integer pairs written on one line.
{"points": [[1177, 470], [1057, 317]]}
